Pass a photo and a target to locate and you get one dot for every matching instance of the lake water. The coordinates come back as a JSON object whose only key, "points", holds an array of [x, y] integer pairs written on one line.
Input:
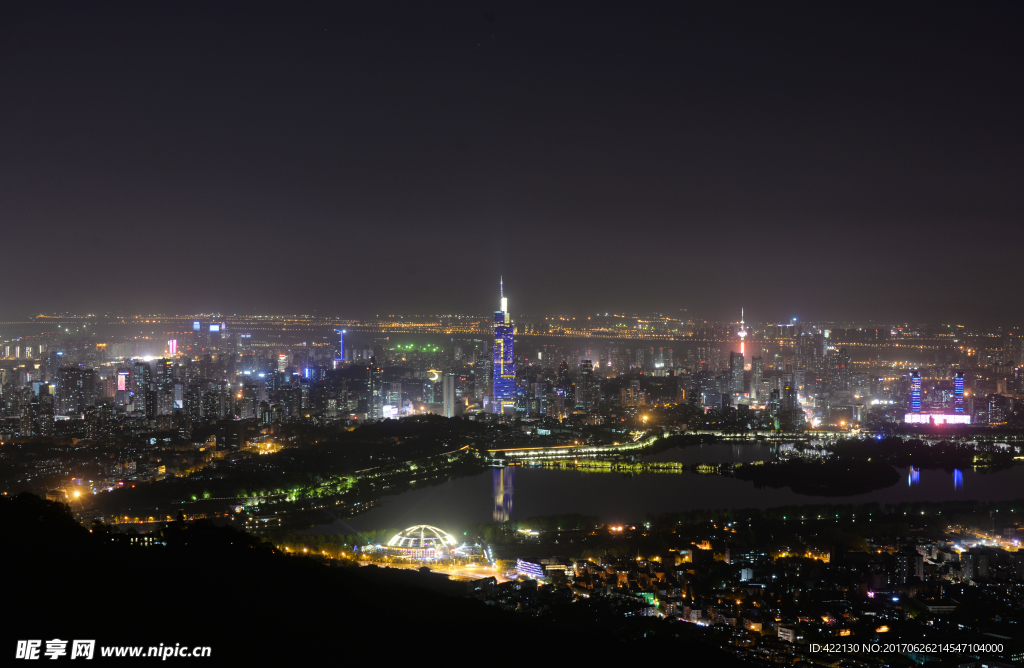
{"points": [[622, 498]]}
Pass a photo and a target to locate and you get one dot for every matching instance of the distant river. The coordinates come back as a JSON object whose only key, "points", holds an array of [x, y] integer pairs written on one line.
{"points": [[622, 498]]}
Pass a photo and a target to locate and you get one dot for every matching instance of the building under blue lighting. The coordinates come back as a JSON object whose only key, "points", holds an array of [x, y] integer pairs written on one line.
{"points": [[915, 392], [504, 399], [529, 569], [958, 392]]}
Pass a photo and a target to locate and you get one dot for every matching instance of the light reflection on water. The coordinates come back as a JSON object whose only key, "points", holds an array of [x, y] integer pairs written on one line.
{"points": [[504, 486], [716, 453], [626, 498]]}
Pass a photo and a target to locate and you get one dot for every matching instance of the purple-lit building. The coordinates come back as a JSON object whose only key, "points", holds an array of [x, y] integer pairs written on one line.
{"points": [[504, 399], [915, 392]]}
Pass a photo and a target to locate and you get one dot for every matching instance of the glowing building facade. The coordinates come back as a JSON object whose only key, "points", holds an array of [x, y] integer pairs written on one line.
{"points": [[341, 346], [958, 392], [915, 392], [936, 418], [421, 542], [504, 399], [736, 366]]}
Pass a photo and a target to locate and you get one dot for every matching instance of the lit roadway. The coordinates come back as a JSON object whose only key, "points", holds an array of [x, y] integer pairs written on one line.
{"points": [[573, 450], [457, 572], [476, 325]]}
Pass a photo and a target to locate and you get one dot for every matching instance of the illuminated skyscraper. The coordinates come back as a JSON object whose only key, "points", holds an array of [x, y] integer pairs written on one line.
{"points": [[341, 345], [790, 399], [736, 365], [585, 390], [76, 390], [375, 390], [481, 378], [504, 399], [448, 395], [958, 392], [838, 370], [141, 380], [565, 382], [756, 374], [393, 401], [915, 392]]}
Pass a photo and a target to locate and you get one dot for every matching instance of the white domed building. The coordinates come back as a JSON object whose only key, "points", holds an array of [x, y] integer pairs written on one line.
{"points": [[421, 542]]}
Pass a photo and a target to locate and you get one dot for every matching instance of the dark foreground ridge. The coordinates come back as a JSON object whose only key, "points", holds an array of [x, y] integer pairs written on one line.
{"points": [[223, 588]]}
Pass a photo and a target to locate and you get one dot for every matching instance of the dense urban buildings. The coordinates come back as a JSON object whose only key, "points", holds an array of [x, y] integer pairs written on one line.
{"points": [[605, 369], [257, 398], [264, 422]]}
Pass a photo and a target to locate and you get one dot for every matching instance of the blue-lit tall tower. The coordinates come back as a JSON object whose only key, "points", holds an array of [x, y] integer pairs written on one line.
{"points": [[915, 392], [341, 344], [958, 392], [504, 399]]}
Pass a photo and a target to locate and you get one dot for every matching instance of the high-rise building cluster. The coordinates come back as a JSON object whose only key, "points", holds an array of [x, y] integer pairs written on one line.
{"points": [[206, 370]]}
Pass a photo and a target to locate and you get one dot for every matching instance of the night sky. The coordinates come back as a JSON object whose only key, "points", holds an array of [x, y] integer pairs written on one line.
{"points": [[839, 161]]}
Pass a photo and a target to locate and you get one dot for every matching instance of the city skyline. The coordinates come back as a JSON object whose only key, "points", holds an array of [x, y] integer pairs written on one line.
{"points": [[755, 394]]}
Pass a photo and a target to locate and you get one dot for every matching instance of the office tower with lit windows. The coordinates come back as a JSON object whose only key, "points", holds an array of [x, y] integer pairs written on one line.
{"points": [[165, 386], [736, 365], [554, 404], [838, 368], [790, 399], [76, 390], [375, 390], [448, 398], [141, 380], [504, 370], [915, 392], [958, 392], [756, 374], [586, 389], [393, 401], [565, 383], [481, 378]]}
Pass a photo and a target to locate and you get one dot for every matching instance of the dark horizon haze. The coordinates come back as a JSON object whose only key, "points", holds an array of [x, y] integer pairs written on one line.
{"points": [[844, 161]]}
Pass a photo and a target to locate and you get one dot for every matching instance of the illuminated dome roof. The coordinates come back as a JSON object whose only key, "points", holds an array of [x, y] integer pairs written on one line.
{"points": [[422, 536]]}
